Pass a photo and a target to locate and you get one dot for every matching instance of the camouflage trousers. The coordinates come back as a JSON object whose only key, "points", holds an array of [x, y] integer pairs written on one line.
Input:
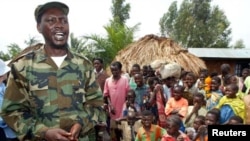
{"points": [[90, 136]]}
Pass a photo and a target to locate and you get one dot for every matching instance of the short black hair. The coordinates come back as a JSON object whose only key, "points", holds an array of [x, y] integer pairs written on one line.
{"points": [[137, 66], [151, 80], [179, 87], [175, 119], [132, 92], [201, 118], [216, 113], [147, 113], [191, 74], [99, 59], [246, 69], [199, 94], [117, 64], [234, 87], [217, 78], [237, 118]]}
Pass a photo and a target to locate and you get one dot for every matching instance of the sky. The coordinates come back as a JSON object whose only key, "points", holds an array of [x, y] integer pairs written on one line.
{"points": [[89, 16]]}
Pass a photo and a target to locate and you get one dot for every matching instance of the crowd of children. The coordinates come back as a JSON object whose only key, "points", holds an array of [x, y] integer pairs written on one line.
{"points": [[178, 105], [168, 103]]}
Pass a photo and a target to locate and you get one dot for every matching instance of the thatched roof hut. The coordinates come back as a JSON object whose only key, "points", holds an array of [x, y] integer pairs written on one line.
{"points": [[151, 47]]}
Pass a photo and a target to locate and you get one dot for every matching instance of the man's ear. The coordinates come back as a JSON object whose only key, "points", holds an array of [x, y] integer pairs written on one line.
{"points": [[38, 27]]}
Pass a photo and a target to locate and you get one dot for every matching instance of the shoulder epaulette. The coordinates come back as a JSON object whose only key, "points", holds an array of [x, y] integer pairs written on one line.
{"points": [[25, 52]]}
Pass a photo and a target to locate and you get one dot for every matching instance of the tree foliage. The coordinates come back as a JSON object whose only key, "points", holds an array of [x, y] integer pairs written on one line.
{"points": [[119, 35], [196, 24], [120, 11], [239, 44], [4, 56], [31, 41], [14, 49], [79, 45]]}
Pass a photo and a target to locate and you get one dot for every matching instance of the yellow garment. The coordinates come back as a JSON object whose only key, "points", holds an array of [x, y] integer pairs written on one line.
{"points": [[247, 104], [236, 104], [241, 95], [247, 84], [208, 81]]}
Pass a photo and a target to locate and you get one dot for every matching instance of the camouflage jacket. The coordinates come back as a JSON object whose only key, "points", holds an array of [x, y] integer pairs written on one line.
{"points": [[39, 95]]}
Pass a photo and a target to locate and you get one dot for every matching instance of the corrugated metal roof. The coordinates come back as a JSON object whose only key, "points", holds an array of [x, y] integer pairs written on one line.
{"points": [[220, 53]]}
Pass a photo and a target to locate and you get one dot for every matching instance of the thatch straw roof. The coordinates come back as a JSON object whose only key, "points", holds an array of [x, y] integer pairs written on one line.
{"points": [[151, 47]]}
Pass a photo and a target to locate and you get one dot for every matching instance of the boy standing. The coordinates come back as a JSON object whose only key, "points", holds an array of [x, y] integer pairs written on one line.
{"points": [[149, 131]]}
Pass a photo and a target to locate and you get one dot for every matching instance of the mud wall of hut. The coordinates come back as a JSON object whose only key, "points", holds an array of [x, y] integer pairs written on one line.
{"points": [[213, 65]]}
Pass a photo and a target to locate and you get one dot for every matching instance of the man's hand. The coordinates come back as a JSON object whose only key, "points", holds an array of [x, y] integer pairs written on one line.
{"points": [[202, 130], [75, 131], [112, 109], [106, 108], [180, 138], [158, 87], [57, 134], [127, 104], [196, 108]]}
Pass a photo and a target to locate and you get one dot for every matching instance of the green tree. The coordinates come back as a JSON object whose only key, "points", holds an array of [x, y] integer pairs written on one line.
{"points": [[119, 35], [78, 45], [239, 44], [120, 11], [196, 24], [166, 22], [13, 50], [31, 41], [4, 56]]}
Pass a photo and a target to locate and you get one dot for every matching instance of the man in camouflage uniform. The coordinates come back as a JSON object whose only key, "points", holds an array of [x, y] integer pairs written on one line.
{"points": [[51, 92]]}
